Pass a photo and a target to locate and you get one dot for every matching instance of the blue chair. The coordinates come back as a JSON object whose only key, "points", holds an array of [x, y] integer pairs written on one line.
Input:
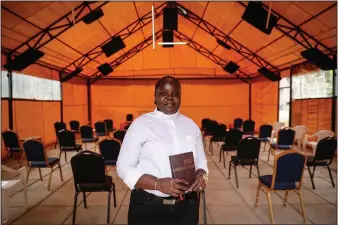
{"points": [[265, 132], [288, 170], [249, 127], [325, 152], [285, 138], [36, 156], [58, 126], [100, 129], [110, 149], [74, 126], [119, 135], [87, 135], [12, 144], [67, 141], [231, 143], [109, 125], [218, 135], [238, 122], [89, 176]]}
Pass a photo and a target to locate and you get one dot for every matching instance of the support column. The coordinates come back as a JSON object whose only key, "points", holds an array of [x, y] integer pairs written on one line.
{"points": [[250, 103], [334, 99], [10, 95], [89, 102], [61, 102], [290, 101]]}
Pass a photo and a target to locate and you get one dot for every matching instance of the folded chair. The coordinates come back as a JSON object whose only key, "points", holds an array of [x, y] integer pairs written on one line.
{"points": [[288, 170], [247, 155], [89, 176], [36, 156], [324, 156]]}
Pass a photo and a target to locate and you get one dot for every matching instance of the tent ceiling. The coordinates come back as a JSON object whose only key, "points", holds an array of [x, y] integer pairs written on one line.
{"points": [[22, 20]]}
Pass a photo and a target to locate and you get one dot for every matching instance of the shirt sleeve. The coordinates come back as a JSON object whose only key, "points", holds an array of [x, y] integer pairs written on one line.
{"points": [[202, 162], [129, 156]]}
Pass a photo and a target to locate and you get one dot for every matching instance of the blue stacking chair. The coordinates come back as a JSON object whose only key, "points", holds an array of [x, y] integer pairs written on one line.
{"points": [[238, 122], [110, 150], [67, 142], [119, 135], [74, 126], [12, 144], [265, 132], [288, 170], [109, 125], [36, 156], [249, 127], [87, 135], [100, 129], [285, 138]]}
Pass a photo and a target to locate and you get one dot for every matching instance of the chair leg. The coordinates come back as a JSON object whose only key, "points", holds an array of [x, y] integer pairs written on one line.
{"points": [[236, 176], [328, 168], [229, 170], [114, 195], [108, 213], [224, 160], [74, 208], [269, 154], [65, 156], [257, 193], [258, 170], [264, 146], [40, 174], [270, 208], [84, 200], [60, 172], [29, 170], [311, 177], [220, 155], [285, 198], [302, 204], [50, 178], [210, 147], [250, 171]]}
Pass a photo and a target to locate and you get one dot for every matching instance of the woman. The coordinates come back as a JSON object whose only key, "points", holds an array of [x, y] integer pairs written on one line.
{"points": [[144, 166]]}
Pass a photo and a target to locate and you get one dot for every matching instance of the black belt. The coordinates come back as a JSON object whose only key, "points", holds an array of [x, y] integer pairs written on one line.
{"points": [[140, 196]]}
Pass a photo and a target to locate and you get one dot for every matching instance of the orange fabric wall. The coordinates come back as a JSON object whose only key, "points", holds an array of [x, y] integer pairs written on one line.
{"points": [[216, 99], [264, 101], [75, 104]]}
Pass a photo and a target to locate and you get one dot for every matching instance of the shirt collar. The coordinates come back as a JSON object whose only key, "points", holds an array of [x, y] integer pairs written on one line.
{"points": [[162, 115]]}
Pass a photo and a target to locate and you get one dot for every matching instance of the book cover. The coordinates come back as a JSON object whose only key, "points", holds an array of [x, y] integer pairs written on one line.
{"points": [[183, 167]]}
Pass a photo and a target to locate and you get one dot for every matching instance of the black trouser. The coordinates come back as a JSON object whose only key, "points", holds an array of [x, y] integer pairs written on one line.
{"points": [[148, 209]]}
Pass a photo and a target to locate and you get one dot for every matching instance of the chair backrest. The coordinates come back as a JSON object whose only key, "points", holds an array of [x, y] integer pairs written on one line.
{"points": [[86, 131], [278, 125], [249, 149], [100, 127], [110, 148], [119, 135], [59, 126], [34, 150], [233, 137], [285, 136], [323, 134], [109, 124], [326, 149], [205, 123], [300, 131], [220, 130], [288, 167], [74, 125], [10, 138], [265, 131], [238, 122], [248, 126], [67, 138], [88, 167]]}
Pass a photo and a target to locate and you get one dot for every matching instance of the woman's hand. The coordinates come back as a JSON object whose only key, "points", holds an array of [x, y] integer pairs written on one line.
{"points": [[199, 184], [174, 187]]}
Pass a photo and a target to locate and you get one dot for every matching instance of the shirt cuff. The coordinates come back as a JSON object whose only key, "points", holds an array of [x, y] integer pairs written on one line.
{"points": [[203, 166], [132, 177]]}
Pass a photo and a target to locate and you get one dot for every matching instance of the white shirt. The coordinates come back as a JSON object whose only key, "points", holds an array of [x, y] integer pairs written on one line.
{"points": [[149, 142]]}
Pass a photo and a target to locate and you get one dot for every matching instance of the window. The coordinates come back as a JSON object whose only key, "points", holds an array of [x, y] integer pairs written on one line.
{"points": [[284, 100], [30, 87]]}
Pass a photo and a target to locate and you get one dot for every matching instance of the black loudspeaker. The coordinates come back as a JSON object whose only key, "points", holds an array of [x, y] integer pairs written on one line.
{"points": [[256, 15], [71, 75], [168, 36], [25, 59], [317, 57], [92, 16], [170, 19], [113, 46], [231, 67], [223, 44], [105, 69], [269, 74]]}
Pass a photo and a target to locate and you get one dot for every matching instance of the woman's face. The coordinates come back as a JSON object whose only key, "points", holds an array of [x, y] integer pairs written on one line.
{"points": [[168, 97]]}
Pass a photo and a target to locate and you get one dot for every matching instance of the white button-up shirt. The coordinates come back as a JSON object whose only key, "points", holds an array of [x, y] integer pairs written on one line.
{"points": [[149, 142]]}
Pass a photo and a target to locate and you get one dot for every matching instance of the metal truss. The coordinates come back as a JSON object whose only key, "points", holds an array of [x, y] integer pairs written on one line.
{"points": [[210, 55], [55, 29], [217, 33], [126, 56], [124, 33], [291, 30]]}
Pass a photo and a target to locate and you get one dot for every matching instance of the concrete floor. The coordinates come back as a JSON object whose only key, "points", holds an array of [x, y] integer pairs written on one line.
{"points": [[225, 203]]}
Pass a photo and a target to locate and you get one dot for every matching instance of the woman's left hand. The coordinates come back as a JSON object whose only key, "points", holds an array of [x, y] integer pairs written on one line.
{"points": [[199, 184]]}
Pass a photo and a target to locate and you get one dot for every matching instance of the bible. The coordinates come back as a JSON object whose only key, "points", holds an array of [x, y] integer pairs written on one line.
{"points": [[183, 167]]}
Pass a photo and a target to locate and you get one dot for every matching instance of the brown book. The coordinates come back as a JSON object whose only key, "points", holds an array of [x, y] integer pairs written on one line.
{"points": [[183, 167]]}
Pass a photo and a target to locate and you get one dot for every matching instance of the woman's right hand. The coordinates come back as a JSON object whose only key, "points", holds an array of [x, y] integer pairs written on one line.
{"points": [[172, 186]]}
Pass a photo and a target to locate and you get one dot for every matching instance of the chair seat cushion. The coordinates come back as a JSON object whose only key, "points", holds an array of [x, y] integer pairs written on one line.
{"points": [[284, 147], [311, 162], [101, 134], [14, 149], [51, 161], [96, 187], [86, 140], [110, 162], [229, 147], [264, 139], [244, 162], [75, 131], [267, 180], [72, 148]]}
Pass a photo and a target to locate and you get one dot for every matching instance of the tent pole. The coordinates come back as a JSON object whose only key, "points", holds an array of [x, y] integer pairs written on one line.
{"points": [[10, 94], [250, 100], [89, 102], [334, 99]]}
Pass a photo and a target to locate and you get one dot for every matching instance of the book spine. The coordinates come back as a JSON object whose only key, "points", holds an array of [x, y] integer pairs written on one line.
{"points": [[172, 167]]}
